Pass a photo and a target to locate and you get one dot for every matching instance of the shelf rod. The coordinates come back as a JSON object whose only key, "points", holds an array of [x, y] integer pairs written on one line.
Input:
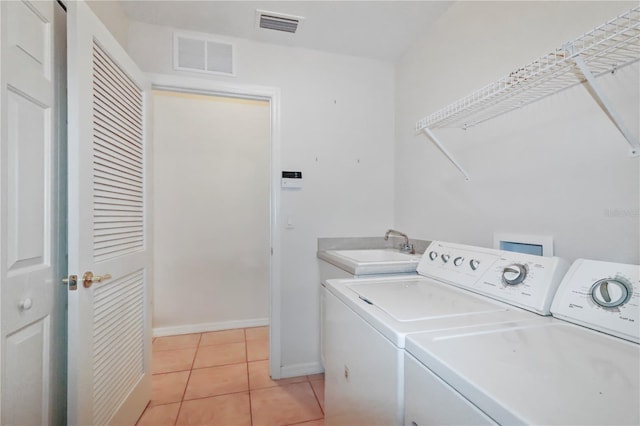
{"points": [[607, 106], [436, 141]]}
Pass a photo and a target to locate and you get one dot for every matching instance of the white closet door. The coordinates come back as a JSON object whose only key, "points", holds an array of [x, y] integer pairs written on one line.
{"points": [[32, 323], [109, 321]]}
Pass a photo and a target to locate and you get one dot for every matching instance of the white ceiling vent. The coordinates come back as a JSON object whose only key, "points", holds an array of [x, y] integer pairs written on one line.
{"points": [[278, 21], [202, 54]]}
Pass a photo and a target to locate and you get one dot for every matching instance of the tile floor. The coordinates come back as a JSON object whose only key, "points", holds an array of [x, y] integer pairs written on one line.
{"points": [[222, 378]]}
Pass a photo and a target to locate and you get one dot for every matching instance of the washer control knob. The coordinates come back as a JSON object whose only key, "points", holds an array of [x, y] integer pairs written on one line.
{"points": [[474, 263], [611, 292], [514, 274], [458, 260], [433, 255], [445, 258]]}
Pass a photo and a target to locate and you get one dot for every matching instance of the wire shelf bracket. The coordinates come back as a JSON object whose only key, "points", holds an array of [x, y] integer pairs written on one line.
{"points": [[447, 154], [606, 48], [607, 106]]}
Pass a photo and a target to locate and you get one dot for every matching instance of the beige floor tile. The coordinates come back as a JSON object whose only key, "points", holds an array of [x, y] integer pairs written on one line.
{"points": [[318, 389], [183, 341], [259, 376], [284, 405], [316, 376], [160, 415], [257, 350], [224, 336], [168, 387], [172, 360], [257, 333], [212, 381], [224, 410], [228, 353], [311, 423]]}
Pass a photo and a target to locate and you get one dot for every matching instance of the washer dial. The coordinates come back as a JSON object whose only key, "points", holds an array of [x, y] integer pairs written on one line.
{"points": [[458, 260], [611, 292], [474, 263], [433, 255], [514, 274]]}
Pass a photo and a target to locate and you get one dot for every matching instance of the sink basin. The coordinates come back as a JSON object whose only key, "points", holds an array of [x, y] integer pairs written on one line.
{"points": [[376, 255], [372, 261]]}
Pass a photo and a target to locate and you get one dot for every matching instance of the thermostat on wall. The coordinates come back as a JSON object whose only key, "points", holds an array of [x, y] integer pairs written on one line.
{"points": [[291, 180]]}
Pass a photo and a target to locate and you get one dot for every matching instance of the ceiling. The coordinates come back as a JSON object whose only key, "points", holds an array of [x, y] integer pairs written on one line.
{"points": [[375, 29]]}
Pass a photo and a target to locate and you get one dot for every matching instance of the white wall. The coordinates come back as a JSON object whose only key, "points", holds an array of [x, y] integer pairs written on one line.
{"points": [[211, 212], [113, 17], [557, 167], [337, 128]]}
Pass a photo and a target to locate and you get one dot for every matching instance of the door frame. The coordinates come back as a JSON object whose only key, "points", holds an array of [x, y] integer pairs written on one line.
{"points": [[272, 95]]}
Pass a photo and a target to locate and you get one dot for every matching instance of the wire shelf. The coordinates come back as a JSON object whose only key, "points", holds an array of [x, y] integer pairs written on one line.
{"points": [[610, 46]]}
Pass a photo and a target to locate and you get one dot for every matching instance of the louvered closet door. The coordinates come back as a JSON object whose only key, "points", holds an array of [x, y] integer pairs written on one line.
{"points": [[109, 319]]}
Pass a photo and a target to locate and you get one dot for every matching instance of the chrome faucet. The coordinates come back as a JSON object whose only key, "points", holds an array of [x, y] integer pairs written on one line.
{"points": [[405, 246]]}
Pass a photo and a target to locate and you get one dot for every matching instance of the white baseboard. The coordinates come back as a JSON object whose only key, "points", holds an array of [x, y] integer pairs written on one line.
{"points": [[211, 326], [304, 369]]}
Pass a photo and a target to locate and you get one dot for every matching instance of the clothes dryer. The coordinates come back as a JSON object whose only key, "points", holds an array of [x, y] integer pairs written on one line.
{"points": [[580, 367]]}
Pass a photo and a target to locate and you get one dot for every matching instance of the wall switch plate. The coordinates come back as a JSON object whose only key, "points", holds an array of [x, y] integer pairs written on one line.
{"points": [[289, 224]]}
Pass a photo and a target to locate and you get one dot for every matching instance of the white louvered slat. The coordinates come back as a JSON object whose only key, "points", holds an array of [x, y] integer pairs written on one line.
{"points": [[115, 78], [118, 169], [112, 180], [118, 328], [127, 149], [110, 191], [110, 153]]}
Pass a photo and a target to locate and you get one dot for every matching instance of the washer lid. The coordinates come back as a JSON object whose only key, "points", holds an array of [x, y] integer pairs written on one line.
{"points": [[419, 299]]}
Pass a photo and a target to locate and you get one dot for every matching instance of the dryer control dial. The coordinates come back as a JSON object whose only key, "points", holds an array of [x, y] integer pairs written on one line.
{"points": [[458, 260], [611, 292], [445, 257], [433, 255], [514, 274]]}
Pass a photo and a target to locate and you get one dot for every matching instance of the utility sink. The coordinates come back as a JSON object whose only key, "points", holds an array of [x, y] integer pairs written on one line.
{"points": [[372, 261]]}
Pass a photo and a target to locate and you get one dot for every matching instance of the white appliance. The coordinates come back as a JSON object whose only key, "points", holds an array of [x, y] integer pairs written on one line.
{"points": [[356, 263], [544, 372], [368, 320]]}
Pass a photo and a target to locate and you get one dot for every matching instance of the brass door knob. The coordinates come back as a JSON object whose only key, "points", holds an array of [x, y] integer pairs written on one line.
{"points": [[88, 279]]}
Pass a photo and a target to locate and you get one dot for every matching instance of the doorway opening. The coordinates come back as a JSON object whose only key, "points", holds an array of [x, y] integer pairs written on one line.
{"points": [[215, 179]]}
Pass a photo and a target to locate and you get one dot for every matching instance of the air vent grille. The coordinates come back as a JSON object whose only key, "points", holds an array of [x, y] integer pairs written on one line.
{"points": [[278, 21], [202, 54]]}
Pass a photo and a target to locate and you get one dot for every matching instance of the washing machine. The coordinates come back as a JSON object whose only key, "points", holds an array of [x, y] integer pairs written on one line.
{"points": [[580, 367], [367, 321], [361, 263]]}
